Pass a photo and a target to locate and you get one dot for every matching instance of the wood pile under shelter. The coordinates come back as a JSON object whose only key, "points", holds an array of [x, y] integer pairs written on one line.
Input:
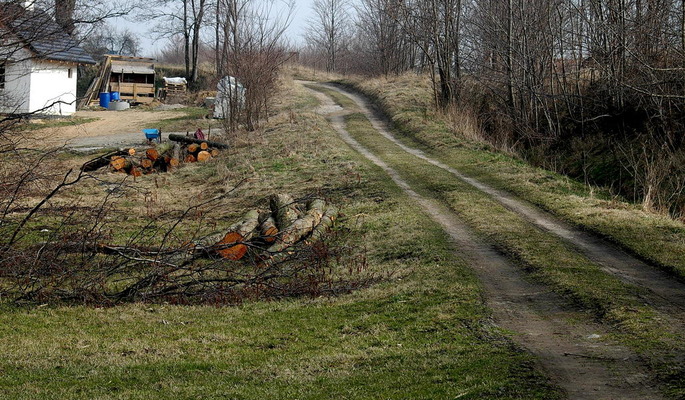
{"points": [[132, 77], [173, 87]]}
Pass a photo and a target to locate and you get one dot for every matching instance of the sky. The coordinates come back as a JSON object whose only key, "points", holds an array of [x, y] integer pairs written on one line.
{"points": [[150, 47]]}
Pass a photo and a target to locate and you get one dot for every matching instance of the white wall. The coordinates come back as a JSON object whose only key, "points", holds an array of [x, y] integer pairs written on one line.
{"points": [[33, 85], [51, 87], [14, 98]]}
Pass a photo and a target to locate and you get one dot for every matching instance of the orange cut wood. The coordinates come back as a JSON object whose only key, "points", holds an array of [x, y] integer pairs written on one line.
{"points": [[193, 148], [215, 152], [146, 163], [204, 146], [136, 172], [203, 156], [269, 230], [131, 151], [118, 163], [173, 162], [189, 158], [235, 252], [270, 234], [152, 154]]}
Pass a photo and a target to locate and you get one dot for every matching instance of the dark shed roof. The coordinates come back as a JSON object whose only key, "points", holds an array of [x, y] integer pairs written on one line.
{"points": [[41, 34]]}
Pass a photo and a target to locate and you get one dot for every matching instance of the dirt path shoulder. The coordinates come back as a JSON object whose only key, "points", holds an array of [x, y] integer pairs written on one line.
{"points": [[566, 342]]}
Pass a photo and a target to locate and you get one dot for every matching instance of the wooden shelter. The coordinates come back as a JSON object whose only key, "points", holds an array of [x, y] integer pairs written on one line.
{"points": [[132, 77]]}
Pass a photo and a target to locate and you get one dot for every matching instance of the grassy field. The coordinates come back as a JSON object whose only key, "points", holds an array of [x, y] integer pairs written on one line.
{"points": [[421, 332], [545, 257], [190, 119]]}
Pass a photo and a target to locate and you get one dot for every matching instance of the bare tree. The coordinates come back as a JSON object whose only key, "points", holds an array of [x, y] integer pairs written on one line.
{"points": [[380, 37], [329, 29], [184, 18], [109, 40], [250, 47]]}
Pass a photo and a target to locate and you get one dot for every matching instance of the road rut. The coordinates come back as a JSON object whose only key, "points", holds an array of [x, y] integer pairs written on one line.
{"points": [[570, 352], [665, 293]]}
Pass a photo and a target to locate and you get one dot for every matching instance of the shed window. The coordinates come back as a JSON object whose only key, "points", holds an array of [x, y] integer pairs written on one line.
{"points": [[69, 73], [2, 76]]}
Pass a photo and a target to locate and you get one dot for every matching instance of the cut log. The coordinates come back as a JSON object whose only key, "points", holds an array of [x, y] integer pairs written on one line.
{"points": [[327, 220], [283, 210], [228, 247], [173, 162], [268, 230], [215, 152], [176, 152], [300, 227], [193, 148], [165, 148], [190, 159], [247, 225], [152, 154], [204, 146], [185, 139], [146, 163], [203, 156], [102, 161], [136, 172], [120, 164], [131, 152]]}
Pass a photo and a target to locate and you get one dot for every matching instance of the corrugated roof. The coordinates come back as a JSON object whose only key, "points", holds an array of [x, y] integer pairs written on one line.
{"points": [[132, 67], [42, 34]]}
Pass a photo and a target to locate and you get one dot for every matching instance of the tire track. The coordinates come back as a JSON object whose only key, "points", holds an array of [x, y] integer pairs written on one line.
{"points": [[666, 293], [570, 352]]}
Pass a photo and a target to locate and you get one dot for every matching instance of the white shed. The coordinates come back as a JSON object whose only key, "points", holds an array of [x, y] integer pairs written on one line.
{"points": [[38, 63]]}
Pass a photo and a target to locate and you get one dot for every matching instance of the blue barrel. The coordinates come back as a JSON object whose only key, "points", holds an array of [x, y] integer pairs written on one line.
{"points": [[115, 96], [105, 98]]}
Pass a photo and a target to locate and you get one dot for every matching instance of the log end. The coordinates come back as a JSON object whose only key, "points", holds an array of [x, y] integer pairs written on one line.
{"points": [[235, 252]]}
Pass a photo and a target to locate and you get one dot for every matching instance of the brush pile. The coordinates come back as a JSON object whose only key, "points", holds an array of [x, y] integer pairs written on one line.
{"points": [[286, 250]]}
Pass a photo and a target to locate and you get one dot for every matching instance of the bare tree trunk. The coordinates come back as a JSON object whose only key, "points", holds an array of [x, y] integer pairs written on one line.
{"points": [[64, 14], [198, 13], [186, 38]]}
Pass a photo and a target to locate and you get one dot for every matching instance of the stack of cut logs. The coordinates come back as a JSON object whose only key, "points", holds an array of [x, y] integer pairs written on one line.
{"points": [[273, 232], [155, 159], [161, 158]]}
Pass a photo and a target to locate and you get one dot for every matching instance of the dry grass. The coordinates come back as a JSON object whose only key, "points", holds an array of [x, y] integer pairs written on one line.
{"points": [[424, 333]]}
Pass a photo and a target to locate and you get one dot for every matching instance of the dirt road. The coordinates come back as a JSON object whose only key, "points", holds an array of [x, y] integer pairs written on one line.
{"points": [[110, 128], [664, 292], [571, 352]]}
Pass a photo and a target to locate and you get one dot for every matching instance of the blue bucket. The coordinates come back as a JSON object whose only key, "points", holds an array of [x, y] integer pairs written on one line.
{"points": [[115, 96], [105, 98]]}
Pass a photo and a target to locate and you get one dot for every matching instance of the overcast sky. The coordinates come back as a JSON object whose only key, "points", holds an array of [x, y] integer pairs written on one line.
{"points": [[303, 10]]}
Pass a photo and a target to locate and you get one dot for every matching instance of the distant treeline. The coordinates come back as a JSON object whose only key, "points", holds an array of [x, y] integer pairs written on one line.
{"points": [[591, 88]]}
